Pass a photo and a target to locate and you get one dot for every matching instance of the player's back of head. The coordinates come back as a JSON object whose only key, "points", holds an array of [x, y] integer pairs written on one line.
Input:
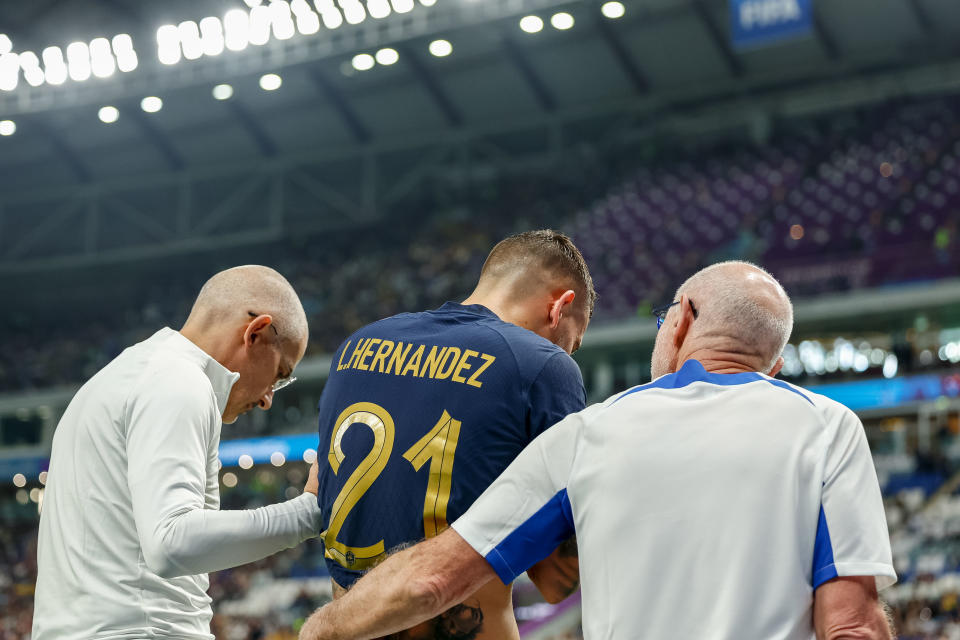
{"points": [[526, 263]]}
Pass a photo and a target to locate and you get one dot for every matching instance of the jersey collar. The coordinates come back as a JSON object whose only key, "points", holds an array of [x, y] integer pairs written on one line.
{"points": [[221, 379]]}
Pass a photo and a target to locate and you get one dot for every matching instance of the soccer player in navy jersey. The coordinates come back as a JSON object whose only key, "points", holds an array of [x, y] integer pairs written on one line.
{"points": [[422, 411]]}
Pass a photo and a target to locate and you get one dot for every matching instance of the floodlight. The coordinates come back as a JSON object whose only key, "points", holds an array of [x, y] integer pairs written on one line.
{"points": [[168, 44], [283, 28], [211, 36], [54, 68], [363, 62], [7, 127], [270, 82], [223, 92], [6, 46], [561, 21], [108, 114], [78, 61], [32, 72], [441, 48], [402, 6], [151, 104], [378, 8], [189, 34], [9, 71], [428, 3], [613, 9], [353, 11], [308, 24], [259, 25], [123, 50], [387, 56], [101, 58], [236, 27], [531, 24]]}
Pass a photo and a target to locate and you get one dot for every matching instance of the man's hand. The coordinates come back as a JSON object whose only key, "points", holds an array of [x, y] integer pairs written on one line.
{"points": [[313, 482]]}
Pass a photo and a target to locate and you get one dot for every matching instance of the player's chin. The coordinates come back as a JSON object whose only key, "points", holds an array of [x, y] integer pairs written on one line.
{"points": [[230, 419]]}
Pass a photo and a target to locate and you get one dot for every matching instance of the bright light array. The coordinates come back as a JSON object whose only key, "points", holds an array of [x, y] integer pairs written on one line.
{"points": [[531, 24], [6, 46], [108, 114], [7, 127], [236, 27], [363, 62], [123, 50], [101, 58], [441, 48], [9, 71], [387, 56], [54, 67], [78, 61], [151, 104], [402, 6], [561, 21], [30, 65], [223, 92], [353, 11], [378, 8], [211, 37], [428, 3], [613, 9], [282, 20], [270, 82]]}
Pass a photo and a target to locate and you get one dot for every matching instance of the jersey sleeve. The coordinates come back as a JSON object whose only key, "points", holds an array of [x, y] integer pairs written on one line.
{"points": [[555, 393], [852, 537], [526, 513]]}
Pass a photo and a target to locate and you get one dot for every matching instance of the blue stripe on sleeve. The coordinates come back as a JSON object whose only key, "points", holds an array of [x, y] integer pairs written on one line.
{"points": [[823, 567], [533, 540]]}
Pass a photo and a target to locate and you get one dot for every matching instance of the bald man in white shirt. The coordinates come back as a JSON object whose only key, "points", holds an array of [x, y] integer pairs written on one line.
{"points": [[131, 524]]}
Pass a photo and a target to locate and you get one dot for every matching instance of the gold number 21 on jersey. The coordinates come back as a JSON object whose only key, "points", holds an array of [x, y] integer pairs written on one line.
{"points": [[437, 446]]}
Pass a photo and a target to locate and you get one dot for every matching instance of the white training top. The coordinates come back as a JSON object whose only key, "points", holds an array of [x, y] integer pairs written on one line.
{"points": [[706, 506], [130, 523]]}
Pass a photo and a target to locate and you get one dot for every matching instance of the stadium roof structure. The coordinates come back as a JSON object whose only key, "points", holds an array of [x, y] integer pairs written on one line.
{"points": [[334, 144]]}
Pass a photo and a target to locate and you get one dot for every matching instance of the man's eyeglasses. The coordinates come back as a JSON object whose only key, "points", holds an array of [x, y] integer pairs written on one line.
{"points": [[660, 313], [282, 382]]}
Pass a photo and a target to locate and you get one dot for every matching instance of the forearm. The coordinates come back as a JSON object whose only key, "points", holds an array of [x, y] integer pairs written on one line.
{"points": [[558, 575], [391, 601], [204, 540]]}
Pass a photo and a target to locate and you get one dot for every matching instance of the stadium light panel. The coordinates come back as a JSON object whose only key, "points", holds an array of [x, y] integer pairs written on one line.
{"points": [[9, 71], [402, 6], [123, 50], [253, 3], [168, 44], [363, 62], [108, 114], [613, 9], [428, 3], [308, 24], [259, 25], [151, 104], [7, 127], [270, 82], [283, 28], [236, 27], [78, 61], [562, 21], [6, 45], [189, 34], [211, 36], [387, 56], [54, 67], [30, 64], [101, 58], [353, 11], [378, 8], [223, 92], [441, 48], [329, 13], [531, 24]]}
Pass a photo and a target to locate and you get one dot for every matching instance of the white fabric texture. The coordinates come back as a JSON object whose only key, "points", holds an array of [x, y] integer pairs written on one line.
{"points": [[696, 501], [130, 523]]}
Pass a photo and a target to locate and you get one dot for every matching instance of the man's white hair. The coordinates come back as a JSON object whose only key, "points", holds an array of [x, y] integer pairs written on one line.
{"points": [[756, 320], [254, 289]]}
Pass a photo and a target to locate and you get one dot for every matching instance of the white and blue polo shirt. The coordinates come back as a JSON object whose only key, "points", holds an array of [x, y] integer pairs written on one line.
{"points": [[705, 506]]}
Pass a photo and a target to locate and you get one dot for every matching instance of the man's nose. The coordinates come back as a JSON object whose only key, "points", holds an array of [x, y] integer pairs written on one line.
{"points": [[267, 400]]}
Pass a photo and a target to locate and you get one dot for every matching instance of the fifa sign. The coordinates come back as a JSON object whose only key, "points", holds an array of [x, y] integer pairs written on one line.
{"points": [[761, 22]]}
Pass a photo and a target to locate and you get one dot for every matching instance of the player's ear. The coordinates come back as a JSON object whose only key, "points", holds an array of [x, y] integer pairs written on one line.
{"points": [[255, 328], [559, 306], [776, 367]]}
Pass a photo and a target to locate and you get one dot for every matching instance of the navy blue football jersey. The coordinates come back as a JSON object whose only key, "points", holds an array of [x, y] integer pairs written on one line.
{"points": [[422, 411]]}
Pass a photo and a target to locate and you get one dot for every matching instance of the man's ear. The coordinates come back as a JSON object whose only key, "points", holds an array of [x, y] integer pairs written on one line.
{"points": [[776, 367], [683, 320], [255, 328], [558, 307]]}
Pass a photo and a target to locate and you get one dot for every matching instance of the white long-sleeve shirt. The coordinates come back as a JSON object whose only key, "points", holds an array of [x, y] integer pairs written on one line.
{"points": [[130, 523]]}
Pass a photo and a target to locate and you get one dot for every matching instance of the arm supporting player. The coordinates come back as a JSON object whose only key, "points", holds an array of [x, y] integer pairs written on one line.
{"points": [[170, 448], [412, 586], [849, 609]]}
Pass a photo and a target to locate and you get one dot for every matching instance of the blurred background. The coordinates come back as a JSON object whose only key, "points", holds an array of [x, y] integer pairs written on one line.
{"points": [[373, 151]]}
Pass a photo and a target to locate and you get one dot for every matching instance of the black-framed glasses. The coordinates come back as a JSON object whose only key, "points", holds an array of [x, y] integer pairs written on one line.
{"points": [[660, 313], [282, 382]]}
